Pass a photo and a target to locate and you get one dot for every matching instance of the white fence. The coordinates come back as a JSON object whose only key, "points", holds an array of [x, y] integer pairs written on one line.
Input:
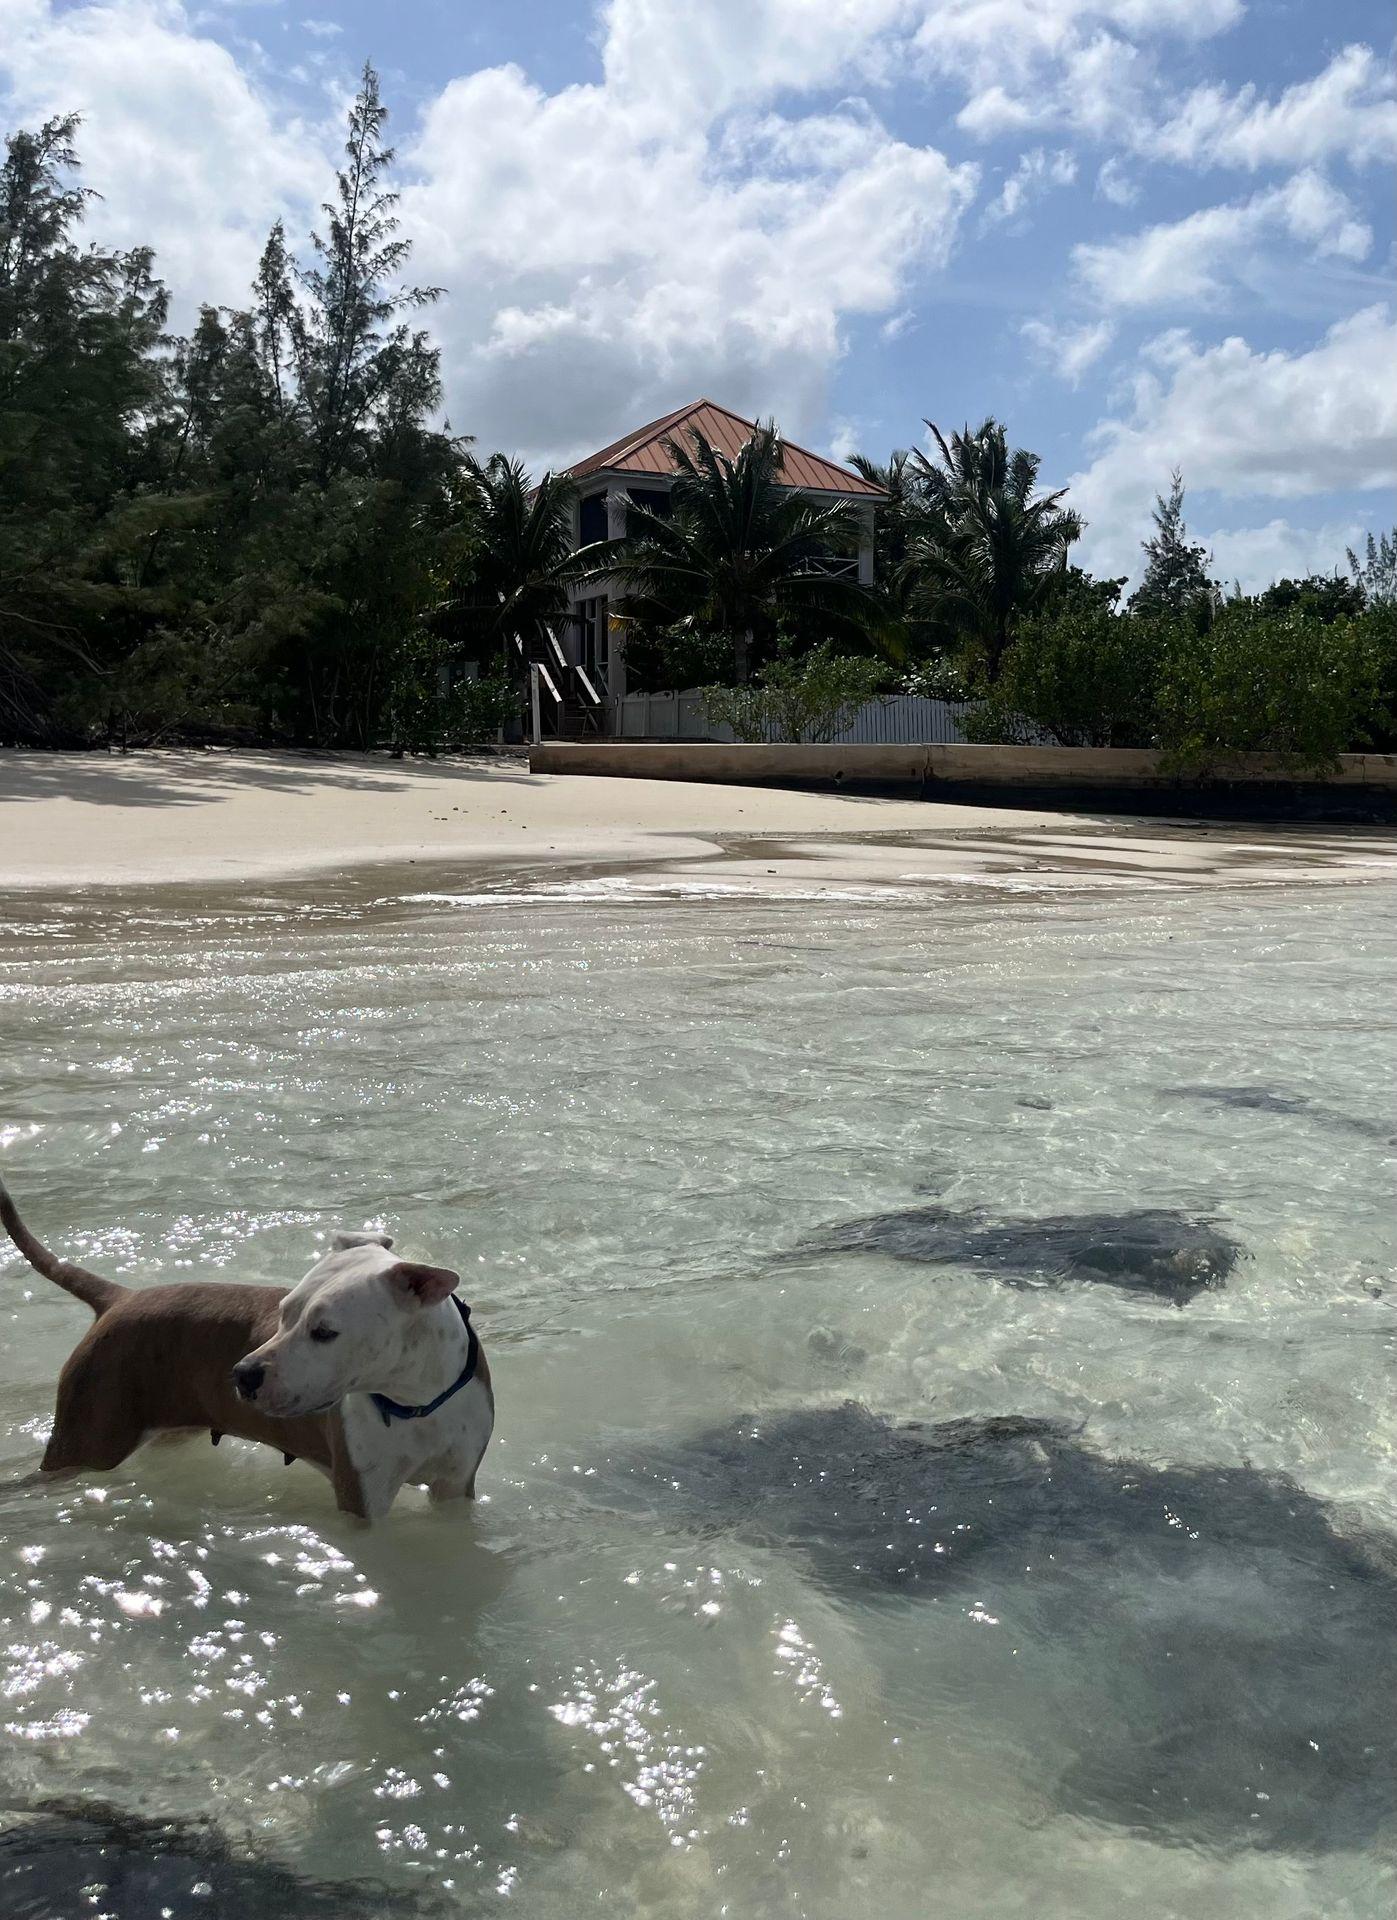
{"points": [[900, 720]]}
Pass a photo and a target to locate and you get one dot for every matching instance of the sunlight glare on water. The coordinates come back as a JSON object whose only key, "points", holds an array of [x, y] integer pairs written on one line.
{"points": [[717, 1643]]}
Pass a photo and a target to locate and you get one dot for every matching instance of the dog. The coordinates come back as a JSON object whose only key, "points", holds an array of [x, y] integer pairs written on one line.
{"points": [[369, 1369]]}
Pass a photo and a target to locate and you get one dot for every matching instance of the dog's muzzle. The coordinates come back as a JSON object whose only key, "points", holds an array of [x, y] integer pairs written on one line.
{"points": [[248, 1377]]}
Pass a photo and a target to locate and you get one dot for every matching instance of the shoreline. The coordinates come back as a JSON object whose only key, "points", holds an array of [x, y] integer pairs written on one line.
{"points": [[94, 823]]}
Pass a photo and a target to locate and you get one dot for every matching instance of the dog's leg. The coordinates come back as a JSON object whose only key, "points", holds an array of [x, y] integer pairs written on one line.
{"points": [[456, 1470], [95, 1428], [344, 1475], [444, 1493], [89, 1447], [458, 1482]]}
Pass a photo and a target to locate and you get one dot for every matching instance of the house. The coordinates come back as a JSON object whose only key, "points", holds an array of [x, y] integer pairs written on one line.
{"points": [[639, 468]]}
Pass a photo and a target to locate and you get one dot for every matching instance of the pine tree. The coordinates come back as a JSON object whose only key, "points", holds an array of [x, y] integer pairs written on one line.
{"points": [[273, 317], [1376, 574], [79, 333], [335, 582], [358, 362], [235, 529], [1176, 577]]}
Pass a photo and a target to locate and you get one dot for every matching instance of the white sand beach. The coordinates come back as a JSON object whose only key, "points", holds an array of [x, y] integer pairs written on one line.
{"points": [[73, 820]]}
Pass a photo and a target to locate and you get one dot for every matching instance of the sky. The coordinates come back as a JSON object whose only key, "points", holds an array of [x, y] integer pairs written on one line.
{"points": [[1143, 233]]}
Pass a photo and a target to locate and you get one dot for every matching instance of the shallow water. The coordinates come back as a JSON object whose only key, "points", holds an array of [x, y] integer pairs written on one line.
{"points": [[662, 1668]]}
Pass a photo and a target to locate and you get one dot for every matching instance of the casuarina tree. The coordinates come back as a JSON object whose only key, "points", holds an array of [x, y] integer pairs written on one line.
{"points": [[1176, 569], [79, 331]]}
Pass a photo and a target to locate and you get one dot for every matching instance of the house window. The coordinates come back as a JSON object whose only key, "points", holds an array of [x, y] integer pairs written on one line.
{"points": [[591, 523], [653, 499]]}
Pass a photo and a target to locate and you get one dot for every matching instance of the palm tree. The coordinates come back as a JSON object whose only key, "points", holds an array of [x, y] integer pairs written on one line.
{"points": [[902, 512], [903, 631], [510, 583], [987, 551], [740, 555]]}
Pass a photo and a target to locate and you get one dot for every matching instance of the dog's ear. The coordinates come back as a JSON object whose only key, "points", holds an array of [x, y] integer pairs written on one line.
{"points": [[339, 1241], [427, 1285]]}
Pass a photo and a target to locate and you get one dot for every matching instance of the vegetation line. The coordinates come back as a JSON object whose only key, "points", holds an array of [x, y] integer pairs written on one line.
{"points": [[262, 532]]}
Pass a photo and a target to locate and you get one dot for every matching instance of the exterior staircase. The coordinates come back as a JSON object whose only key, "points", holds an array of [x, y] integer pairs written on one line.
{"points": [[562, 697]]}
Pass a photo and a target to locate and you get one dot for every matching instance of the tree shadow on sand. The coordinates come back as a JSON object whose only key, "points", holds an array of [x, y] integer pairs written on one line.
{"points": [[189, 778]]}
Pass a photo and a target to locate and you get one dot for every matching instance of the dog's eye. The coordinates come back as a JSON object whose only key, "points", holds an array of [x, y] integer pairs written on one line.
{"points": [[323, 1333]]}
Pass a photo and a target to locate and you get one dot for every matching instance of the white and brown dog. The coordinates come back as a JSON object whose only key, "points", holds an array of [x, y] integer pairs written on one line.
{"points": [[369, 1369]]}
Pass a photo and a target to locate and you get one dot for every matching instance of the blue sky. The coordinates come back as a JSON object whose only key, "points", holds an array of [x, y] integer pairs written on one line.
{"points": [[1143, 232]]}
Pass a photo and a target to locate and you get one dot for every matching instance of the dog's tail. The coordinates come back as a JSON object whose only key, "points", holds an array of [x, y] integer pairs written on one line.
{"points": [[90, 1288]]}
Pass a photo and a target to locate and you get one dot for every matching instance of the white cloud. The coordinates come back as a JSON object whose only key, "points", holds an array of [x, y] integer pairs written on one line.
{"points": [[1255, 556], [1092, 86], [1188, 262], [1113, 183], [1093, 68], [1083, 64], [1036, 174], [187, 153], [1068, 351], [603, 268], [985, 41], [680, 64], [1244, 424], [608, 250], [845, 440], [701, 60], [1349, 109]]}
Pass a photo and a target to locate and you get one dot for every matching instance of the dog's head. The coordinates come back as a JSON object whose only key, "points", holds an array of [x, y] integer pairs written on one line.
{"points": [[351, 1326]]}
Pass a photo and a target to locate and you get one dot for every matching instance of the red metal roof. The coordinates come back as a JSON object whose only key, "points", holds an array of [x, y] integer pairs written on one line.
{"points": [[644, 451]]}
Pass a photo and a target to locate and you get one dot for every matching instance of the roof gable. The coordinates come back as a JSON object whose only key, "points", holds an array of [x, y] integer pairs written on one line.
{"points": [[644, 451]]}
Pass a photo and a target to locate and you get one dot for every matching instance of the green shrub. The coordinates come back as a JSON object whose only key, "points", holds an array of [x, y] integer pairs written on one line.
{"points": [[1289, 680], [937, 679], [1085, 677], [429, 711], [1286, 684], [1379, 734], [682, 655], [812, 696]]}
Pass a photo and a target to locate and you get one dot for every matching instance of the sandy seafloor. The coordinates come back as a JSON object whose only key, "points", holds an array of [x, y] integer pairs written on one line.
{"points": [[762, 1128]]}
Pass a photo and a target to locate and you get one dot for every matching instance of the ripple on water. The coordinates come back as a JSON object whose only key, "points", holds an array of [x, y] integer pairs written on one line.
{"points": [[751, 1681]]}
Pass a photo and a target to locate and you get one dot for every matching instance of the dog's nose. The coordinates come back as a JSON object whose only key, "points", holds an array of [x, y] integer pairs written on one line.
{"points": [[248, 1376]]}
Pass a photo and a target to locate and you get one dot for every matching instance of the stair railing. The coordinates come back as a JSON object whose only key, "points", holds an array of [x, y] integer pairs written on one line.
{"points": [[539, 680]]}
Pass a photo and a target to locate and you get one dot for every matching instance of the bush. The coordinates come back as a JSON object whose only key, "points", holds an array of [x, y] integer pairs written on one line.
{"points": [[1290, 680], [1085, 676], [1322, 596], [428, 711], [682, 655], [1379, 734], [938, 679], [812, 696], [1287, 684]]}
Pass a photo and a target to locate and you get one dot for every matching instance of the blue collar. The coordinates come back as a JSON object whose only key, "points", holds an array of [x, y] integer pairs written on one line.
{"points": [[390, 1409]]}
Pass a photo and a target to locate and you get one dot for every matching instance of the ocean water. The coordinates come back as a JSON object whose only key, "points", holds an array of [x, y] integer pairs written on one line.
{"points": [[854, 1543]]}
